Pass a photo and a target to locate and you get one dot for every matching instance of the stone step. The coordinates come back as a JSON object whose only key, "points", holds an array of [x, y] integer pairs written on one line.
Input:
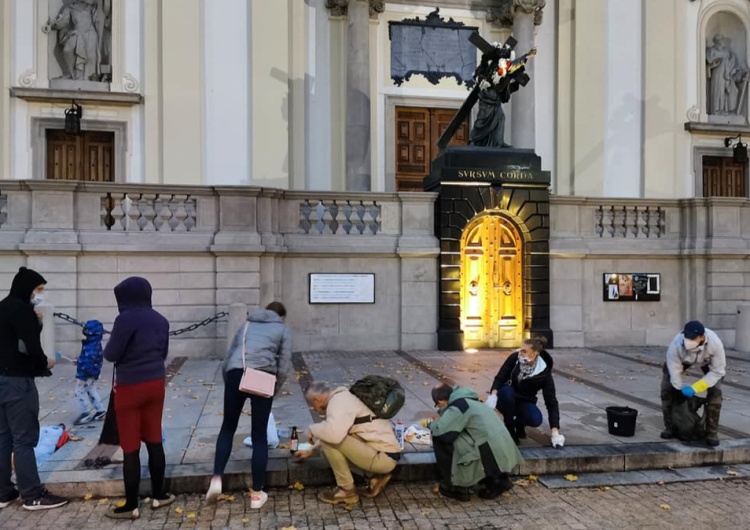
{"points": [[283, 472]]}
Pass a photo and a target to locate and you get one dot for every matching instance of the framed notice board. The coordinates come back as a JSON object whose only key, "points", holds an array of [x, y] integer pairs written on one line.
{"points": [[632, 287], [333, 288]]}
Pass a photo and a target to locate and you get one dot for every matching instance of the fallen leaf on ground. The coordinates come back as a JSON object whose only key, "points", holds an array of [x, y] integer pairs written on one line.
{"points": [[120, 504], [436, 489], [522, 483], [178, 510], [88, 497], [105, 500], [571, 478], [505, 494], [732, 473], [298, 486], [285, 527], [603, 488], [246, 520], [665, 507], [74, 438], [532, 478], [191, 515]]}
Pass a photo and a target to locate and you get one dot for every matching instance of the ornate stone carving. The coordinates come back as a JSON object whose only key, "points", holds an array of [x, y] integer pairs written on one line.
{"points": [[130, 83], [529, 7], [27, 79], [338, 7], [694, 113], [84, 39], [727, 78]]}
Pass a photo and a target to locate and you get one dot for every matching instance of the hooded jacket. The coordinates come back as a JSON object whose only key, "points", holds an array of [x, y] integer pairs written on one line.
{"points": [[89, 365], [342, 409], [268, 346], [21, 353], [482, 445], [528, 387], [140, 335]]}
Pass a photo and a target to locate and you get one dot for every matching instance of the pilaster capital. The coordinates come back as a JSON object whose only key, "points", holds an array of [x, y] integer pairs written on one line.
{"points": [[530, 7], [339, 7]]}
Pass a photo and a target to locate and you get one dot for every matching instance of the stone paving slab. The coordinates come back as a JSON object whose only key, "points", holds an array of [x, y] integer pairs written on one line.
{"points": [[587, 382]]}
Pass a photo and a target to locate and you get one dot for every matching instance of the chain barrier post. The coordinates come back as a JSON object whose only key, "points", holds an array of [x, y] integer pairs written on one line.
{"points": [[237, 318], [48, 329]]}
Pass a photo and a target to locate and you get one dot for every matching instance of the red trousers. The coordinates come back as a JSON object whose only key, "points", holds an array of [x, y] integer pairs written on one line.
{"points": [[138, 409]]}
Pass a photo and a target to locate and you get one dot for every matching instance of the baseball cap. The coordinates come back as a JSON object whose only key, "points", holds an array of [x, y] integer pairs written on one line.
{"points": [[693, 329]]}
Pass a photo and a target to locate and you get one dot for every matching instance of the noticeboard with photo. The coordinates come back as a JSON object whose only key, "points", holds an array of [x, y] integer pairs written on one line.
{"points": [[632, 287]]}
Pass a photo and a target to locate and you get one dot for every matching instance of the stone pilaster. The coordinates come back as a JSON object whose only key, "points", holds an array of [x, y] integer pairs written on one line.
{"points": [[526, 13]]}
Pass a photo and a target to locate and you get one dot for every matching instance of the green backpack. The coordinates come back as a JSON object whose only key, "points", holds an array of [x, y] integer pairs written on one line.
{"points": [[384, 396]]}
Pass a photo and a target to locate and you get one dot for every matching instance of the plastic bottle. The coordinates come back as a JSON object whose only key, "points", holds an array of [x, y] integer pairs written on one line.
{"points": [[294, 441], [400, 434]]}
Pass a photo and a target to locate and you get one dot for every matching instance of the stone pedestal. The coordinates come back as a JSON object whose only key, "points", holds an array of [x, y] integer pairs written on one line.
{"points": [[473, 180]]}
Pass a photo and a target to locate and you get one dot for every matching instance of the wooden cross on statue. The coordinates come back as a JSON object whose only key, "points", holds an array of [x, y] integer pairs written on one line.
{"points": [[496, 71]]}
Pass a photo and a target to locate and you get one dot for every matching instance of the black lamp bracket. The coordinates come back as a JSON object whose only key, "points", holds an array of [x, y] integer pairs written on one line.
{"points": [[728, 140]]}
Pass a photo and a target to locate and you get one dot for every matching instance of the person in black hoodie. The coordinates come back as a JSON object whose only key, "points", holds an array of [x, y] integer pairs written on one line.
{"points": [[523, 374], [21, 360]]}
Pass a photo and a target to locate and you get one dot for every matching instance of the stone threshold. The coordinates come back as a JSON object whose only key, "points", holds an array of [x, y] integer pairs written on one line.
{"points": [[283, 472]]}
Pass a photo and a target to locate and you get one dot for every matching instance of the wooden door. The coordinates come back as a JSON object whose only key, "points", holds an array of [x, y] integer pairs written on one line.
{"points": [[417, 133], [491, 283], [88, 156], [723, 177]]}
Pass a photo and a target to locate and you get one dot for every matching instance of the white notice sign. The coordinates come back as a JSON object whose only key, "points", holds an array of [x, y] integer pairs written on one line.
{"points": [[328, 288]]}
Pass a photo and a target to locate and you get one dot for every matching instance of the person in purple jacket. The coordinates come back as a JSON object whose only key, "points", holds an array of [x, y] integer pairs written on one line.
{"points": [[138, 347]]}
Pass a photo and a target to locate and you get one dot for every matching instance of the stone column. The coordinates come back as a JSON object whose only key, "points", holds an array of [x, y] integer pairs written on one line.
{"points": [[358, 177], [526, 14]]}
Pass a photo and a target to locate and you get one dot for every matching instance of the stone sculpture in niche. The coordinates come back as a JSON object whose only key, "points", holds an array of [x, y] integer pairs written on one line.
{"points": [[83, 39], [727, 77]]}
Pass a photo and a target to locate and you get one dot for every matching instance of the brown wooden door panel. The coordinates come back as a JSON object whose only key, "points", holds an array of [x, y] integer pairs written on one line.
{"points": [[723, 177], [88, 156], [417, 133]]}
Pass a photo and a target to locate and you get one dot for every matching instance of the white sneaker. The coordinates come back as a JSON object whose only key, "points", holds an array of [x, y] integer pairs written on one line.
{"points": [[258, 499], [214, 490]]}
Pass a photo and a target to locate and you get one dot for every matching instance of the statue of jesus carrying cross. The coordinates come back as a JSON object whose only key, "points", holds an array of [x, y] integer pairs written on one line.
{"points": [[498, 76]]}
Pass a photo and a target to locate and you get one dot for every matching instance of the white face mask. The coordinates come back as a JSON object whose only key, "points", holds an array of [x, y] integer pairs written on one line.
{"points": [[37, 299], [691, 344]]}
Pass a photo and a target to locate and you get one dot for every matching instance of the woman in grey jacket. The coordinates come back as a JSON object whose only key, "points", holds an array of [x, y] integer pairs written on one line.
{"points": [[268, 347]]}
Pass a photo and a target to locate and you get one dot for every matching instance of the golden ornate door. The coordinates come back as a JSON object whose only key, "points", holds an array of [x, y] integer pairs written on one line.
{"points": [[491, 283]]}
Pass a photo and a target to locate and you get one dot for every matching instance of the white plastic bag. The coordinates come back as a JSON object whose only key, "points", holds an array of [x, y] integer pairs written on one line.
{"points": [[273, 435], [416, 434]]}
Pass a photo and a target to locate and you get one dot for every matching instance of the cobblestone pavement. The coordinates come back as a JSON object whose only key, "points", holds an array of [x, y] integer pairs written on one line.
{"points": [[715, 504]]}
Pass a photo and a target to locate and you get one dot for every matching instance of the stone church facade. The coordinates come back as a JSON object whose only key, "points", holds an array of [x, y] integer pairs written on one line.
{"points": [[230, 149]]}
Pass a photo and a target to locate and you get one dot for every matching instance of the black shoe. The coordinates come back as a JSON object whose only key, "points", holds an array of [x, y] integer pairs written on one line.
{"points": [[520, 431], [46, 501], [9, 499], [712, 440], [667, 434], [496, 486], [460, 494]]}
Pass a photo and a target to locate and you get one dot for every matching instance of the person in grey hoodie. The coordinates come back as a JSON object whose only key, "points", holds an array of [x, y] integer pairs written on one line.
{"points": [[268, 347]]}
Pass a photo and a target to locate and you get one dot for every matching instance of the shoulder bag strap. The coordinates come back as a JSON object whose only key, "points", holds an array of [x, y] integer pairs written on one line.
{"points": [[244, 338]]}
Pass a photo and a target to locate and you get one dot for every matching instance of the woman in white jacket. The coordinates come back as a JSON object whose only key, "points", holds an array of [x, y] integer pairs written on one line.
{"points": [[268, 347]]}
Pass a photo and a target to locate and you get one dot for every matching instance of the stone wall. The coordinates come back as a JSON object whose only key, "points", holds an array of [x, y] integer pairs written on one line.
{"points": [[700, 247], [205, 248]]}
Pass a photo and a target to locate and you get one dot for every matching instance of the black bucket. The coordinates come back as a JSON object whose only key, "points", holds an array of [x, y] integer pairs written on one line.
{"points": [[621, 420]]}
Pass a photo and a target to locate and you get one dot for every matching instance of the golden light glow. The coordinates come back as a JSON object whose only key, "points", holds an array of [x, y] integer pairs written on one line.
{"points": [[491, 283]]}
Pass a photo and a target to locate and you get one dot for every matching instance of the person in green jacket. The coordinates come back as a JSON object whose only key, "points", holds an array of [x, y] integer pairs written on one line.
{"points": [[471, 444]]}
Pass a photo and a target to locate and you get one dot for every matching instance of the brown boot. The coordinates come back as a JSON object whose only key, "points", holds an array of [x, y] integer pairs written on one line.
{"points": [[339, 495], [376, 485]]}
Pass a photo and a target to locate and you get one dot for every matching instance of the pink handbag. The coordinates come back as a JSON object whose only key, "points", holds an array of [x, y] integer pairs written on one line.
{"points": [[254, 381]]}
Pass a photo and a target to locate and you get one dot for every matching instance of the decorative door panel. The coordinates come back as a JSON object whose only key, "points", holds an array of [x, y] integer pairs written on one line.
{"points": [[417, 133], [88, 156], [491, 283], [723, 177]]}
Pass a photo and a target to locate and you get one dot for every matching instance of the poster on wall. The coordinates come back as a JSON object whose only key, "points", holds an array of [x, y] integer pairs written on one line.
{"points": [[330, 288], [632, 287]]}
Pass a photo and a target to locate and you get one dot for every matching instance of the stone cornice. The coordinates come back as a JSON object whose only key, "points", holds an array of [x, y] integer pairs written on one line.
{"points": [[81, 96]]}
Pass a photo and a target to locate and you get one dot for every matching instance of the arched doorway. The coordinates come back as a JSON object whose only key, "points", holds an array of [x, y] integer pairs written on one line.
{"points": [[491, 283]]}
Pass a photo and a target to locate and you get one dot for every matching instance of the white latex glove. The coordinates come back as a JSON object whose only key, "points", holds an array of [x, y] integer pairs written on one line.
{"points": [[558, 440], [491, 401]]}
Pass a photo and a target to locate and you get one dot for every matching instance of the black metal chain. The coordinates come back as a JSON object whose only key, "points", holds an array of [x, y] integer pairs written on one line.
{"points": [[174, 333]]}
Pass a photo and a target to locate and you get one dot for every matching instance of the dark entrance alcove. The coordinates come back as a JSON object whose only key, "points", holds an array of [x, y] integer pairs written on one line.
{"points": [[473, 181]]}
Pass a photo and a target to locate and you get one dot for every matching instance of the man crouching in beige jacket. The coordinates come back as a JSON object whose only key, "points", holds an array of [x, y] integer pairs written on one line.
{"points": [[350, 434]]}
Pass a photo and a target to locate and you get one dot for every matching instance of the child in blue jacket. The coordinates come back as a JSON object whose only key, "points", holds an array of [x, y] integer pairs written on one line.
{"points": [[88, 369]]}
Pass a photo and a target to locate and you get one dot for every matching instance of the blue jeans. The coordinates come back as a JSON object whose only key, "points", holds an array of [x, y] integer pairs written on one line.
{"points": [[517, 413], [260, 408], [19, 434]]}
